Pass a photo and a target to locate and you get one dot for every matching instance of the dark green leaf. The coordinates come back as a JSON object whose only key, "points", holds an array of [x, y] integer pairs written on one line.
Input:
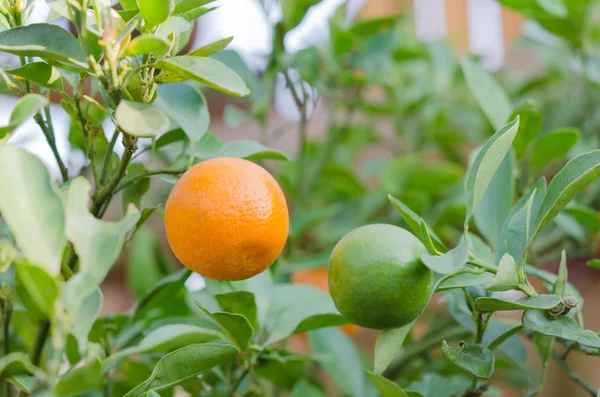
{"points": [[39, 73], [283, 369], [184, 363], [166, 339], [239, 302], [414, 222], [340, 359], [487, 305], [449, 262], [299, 308], [207, 71], [574, 177], [387, 345], [474, 358], [36, 289], [49, 42], [235, 326], [491, 97], [530, 124], [85, 378], [486, 164], [140, 119], [562, 327], [186, 106], [32, 208], [435, 385], [552, 146], [386, 387]]}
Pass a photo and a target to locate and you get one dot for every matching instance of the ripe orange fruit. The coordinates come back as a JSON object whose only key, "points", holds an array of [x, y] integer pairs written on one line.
{"points": [[318, 279], [376, 277], [227, 219]]}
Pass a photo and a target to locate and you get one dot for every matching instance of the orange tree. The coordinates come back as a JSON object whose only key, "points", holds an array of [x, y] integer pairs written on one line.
{"points": [[227, 219]]}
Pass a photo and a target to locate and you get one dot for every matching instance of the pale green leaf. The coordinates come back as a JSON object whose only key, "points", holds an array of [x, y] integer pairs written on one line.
{"points": [[449, 262], [474, 358], [488, 305], [563, 327], [386, 387], [387, 346], [486, 164], [186, 106], [32, 207], [141, 119]]}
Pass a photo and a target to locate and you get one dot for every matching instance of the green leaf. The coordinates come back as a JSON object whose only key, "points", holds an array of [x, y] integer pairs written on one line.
{"points": [[574, 177], [84, 317], [414, 222], [562, 327], [593, 263], [239, 302], [507, 277], [16, 363], [133, 194], [146, 44], [552, 146], [488, 305], [39, 73], [141, 119], [144, 265], [426, 239], [530, 124], [207, 71], [294, 11], [386, 387], [560, 286], [28, 106], [449, 262], [166, 339], [172, 28], [486, 164], [211, 48], [474, 358], [49, 42], [184, 6], [165, 288], [282, 368], [516, 230], [491, 97], [85, 378], [435, 385], [250, 150], [464, 278], [235, 326], [543, 345], [36, 289], [305, 389], [97, 243], [299, 308], [32, 208], [388, 344], [340, 358], [183, 364], [186, 106], [496, 203], [155, 12]]}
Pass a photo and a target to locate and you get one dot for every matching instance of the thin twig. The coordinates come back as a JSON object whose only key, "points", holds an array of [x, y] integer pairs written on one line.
{"points": [[577, 378]]}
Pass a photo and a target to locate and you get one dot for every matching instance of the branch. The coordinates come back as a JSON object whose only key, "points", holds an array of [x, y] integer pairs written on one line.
{"points": [[100, 197], [585, 385], [160, 171]]}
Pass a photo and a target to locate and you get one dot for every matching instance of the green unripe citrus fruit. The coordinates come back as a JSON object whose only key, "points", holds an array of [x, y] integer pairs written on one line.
{"points": [[376, 277]]}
